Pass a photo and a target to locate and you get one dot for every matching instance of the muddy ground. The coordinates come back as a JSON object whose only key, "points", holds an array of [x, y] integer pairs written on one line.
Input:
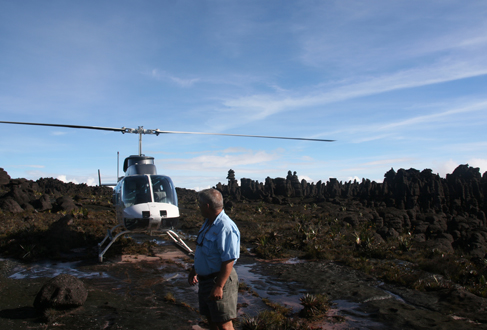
{"points": [[141, 292], [146, 288]]}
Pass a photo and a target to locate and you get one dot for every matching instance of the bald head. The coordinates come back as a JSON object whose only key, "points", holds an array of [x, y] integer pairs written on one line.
{"points": [[212, 197]]}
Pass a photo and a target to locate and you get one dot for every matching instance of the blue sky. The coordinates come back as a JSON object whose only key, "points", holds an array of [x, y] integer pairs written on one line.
{"points": [[397, 84]]}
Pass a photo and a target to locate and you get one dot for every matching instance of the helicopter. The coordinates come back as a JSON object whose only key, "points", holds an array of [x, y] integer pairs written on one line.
{"points": [[144, 200]]}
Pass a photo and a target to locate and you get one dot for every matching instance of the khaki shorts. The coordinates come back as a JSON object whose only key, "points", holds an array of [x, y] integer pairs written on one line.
{"points": [[220, 310]]}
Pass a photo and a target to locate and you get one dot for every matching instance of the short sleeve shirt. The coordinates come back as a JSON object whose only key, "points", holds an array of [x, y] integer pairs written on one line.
{"points": [[216, 243]]}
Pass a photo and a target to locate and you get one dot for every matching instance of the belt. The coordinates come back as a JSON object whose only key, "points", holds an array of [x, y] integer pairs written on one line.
{"points": [[208, 277]]}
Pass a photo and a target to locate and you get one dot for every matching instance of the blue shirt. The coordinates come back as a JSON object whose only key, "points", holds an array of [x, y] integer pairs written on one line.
{"points": [[216, 243]]}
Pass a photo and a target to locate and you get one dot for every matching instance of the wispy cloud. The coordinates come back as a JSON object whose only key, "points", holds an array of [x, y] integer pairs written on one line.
{"points": [[31, 166], [261, 106], [394, 129], [182, 82], [224, 159], [435, 117]]}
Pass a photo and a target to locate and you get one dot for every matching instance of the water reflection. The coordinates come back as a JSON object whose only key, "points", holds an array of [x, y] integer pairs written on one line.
{"points": [[50, 269]]}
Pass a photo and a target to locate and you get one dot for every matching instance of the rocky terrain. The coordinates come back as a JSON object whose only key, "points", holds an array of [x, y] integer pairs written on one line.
{"points": [[416, 237], [448, 213]]}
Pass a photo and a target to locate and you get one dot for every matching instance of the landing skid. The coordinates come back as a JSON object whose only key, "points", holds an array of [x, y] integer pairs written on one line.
{"points": [[109, 236]]}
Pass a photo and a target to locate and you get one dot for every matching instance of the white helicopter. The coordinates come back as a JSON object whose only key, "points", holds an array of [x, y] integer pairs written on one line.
{"points": [[145, 201]]}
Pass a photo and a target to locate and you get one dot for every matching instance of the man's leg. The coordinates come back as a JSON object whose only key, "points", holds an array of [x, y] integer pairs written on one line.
{"points": [[224, 309], [220, 325]]}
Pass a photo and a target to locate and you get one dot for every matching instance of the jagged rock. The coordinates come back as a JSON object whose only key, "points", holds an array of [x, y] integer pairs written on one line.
{"points": [[282, 189], [43, 203], [231, 175], [4, 177], [61, 292], [9, 205], [293, 181], [20, 195]]}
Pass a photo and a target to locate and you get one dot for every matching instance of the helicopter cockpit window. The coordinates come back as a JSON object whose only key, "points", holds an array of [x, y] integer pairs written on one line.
{"points": [[136, 190], [164, 191]]}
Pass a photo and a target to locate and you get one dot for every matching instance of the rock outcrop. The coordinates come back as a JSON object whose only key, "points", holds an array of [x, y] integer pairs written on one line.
{"points": [[45, 194], [445, 213]]}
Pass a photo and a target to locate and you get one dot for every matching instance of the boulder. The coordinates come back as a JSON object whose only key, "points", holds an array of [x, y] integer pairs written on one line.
{"points": [[64, 203], [43, 203], [11, 206], [61, 293]]}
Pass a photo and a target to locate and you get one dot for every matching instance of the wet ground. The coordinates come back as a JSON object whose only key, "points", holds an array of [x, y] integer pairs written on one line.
{"points": [[140, 292]]}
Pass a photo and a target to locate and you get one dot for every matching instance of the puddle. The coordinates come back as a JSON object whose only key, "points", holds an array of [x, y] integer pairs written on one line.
{"points": [[50, 270], [278, 292], [293, 261], [284, 293]]}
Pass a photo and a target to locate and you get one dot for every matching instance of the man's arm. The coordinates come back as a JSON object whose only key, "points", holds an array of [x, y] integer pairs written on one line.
{"points": [[221, 279]]}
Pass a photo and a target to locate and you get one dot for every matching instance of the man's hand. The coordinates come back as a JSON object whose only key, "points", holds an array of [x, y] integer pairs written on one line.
{"points": [[225, 270], [216, 293], [192, 277]]}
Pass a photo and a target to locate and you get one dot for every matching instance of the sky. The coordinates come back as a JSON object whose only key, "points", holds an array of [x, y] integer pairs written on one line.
{"points": [[397, 84]]}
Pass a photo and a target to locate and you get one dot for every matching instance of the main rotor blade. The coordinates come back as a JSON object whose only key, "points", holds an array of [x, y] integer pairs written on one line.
{"points": [[68, 126], [244, 135], [140, 130]]}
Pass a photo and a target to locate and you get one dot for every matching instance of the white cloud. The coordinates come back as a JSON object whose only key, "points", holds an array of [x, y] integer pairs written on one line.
{"points": [[92, 182], [354, 178], [478, 162], [62, 178], [88, 180], [225, 159], [305, 177], [445, 168], [183, 82]]}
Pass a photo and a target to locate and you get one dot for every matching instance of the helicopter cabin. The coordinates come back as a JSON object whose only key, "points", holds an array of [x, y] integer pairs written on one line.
{"points": [[143, 199]]}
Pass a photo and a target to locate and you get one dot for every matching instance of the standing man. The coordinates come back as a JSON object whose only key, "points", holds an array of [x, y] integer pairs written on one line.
{"points": [[217, 250]]}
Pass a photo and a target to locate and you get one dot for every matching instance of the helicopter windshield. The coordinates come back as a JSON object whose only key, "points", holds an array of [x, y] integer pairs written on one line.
{"points": [[136, 190], [163, 189]]}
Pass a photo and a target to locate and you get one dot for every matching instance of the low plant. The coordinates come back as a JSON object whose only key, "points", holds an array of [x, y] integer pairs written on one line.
{"points": [[314, 306], [269, 246]]}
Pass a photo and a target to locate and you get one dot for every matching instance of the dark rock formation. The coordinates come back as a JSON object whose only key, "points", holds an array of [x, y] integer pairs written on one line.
{"points": [[4, 177], [61, 293], [449, 212], [45, 194], [10, 205]]}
